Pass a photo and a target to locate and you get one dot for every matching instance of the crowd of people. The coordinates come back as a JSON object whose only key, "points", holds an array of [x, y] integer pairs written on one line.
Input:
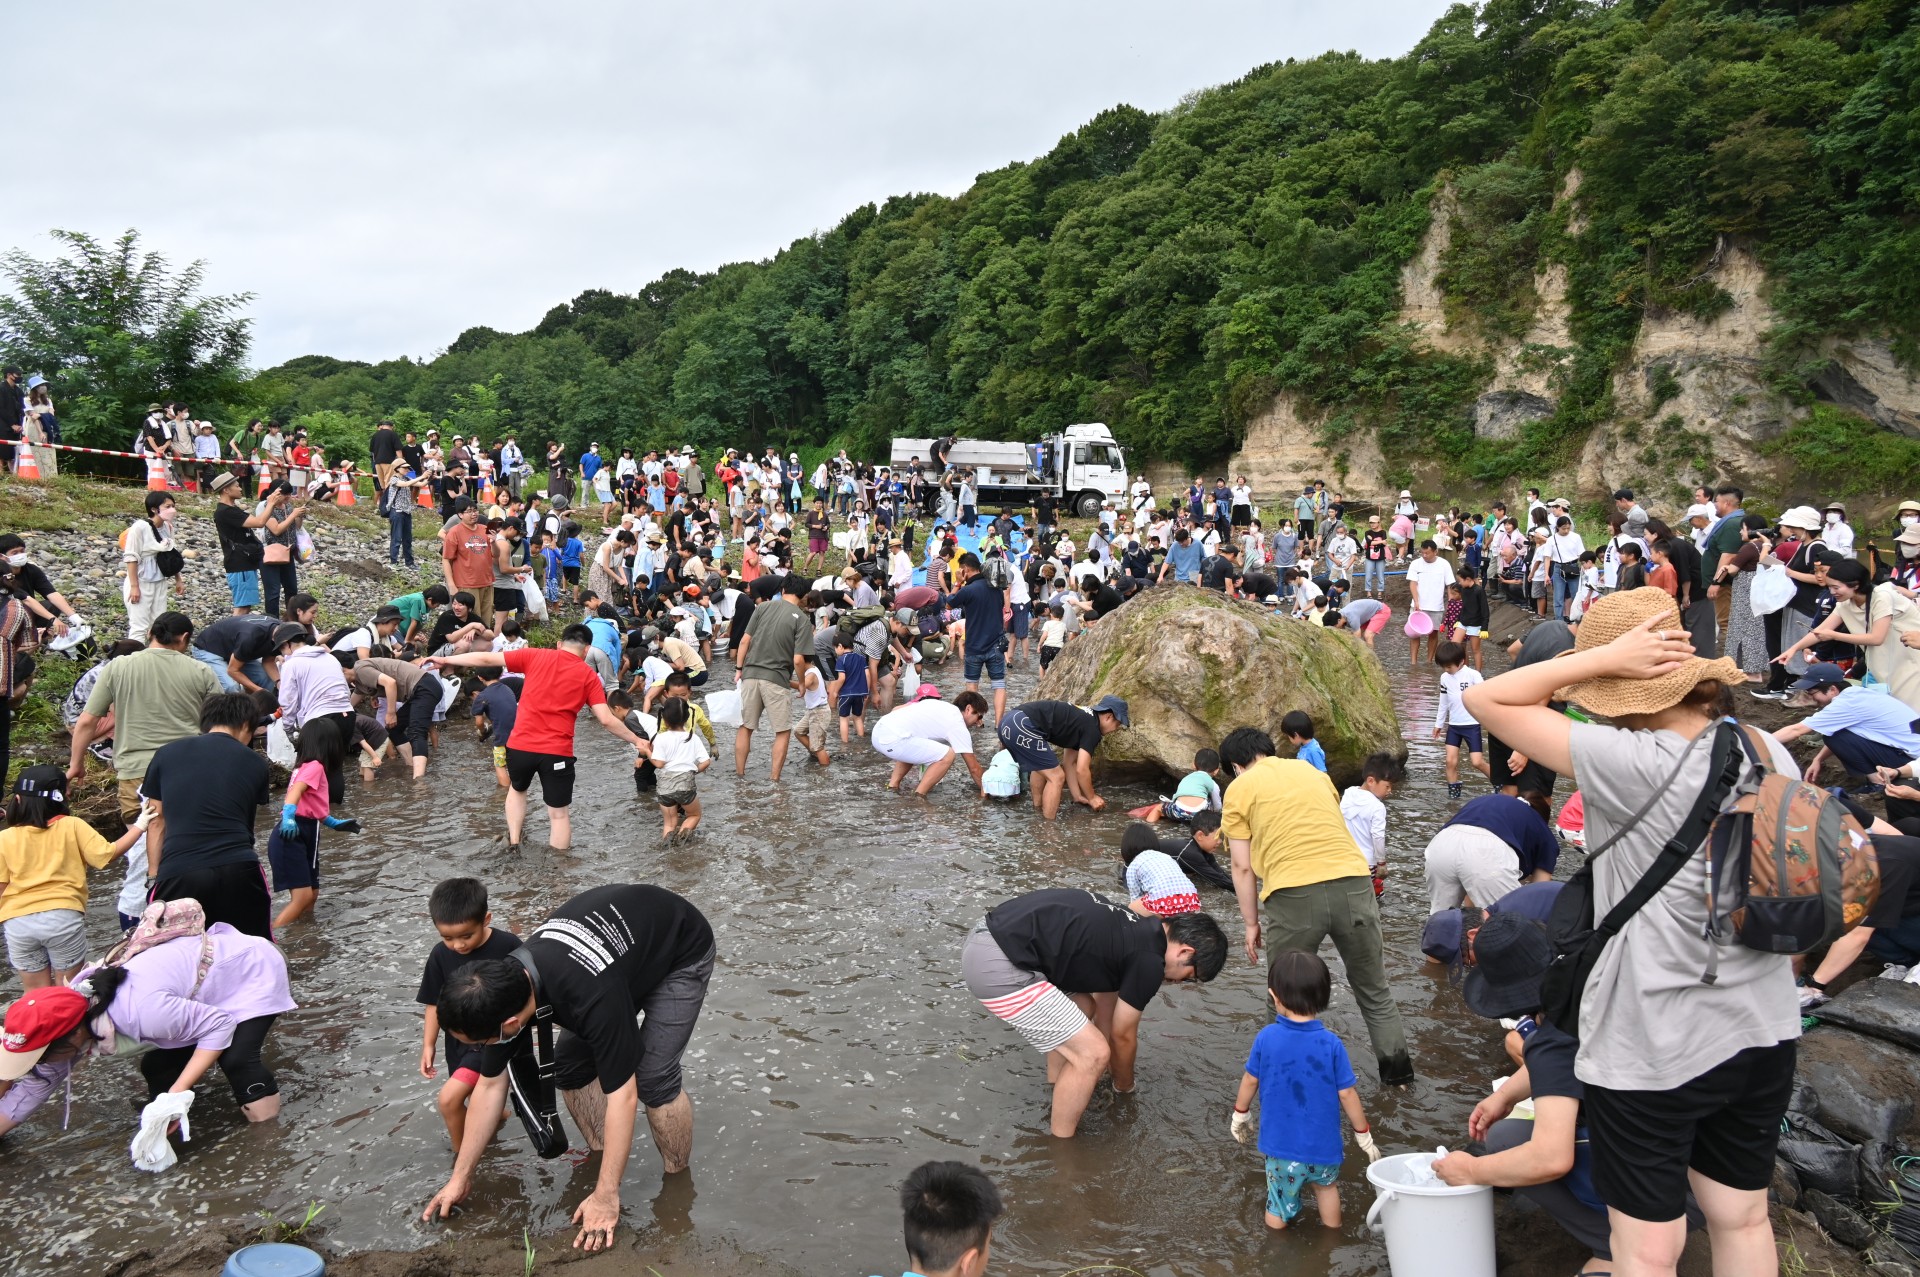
{"points": [[691, 566]]}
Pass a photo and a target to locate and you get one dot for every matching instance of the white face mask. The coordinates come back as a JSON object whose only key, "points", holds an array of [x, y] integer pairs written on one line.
{"points": [[1832, 517], [17, 560], [1909, 520]]}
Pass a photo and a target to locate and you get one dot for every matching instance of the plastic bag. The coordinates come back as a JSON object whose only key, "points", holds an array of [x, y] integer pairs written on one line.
{"points": [[151, 1150], [280, 746], [1772, 588], [723, 708], [909, 682]]}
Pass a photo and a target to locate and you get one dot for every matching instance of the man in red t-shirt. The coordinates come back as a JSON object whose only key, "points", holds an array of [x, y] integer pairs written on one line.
{"points": [[466, 558], [559, 684]]}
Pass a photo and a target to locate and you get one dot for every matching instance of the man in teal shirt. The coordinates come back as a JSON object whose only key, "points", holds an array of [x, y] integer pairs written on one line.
{"points": [[949, 1210], [415, 607]]}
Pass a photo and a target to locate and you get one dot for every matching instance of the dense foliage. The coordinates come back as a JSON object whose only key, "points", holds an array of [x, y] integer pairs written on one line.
{"points": [[1168, 274]]}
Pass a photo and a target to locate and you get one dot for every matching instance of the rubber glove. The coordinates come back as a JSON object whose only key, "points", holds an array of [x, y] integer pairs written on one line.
{"points": [[348, 824], [145, 817], [1242, 1126], [1365, 1140], [1812, 998], [288, 827]]}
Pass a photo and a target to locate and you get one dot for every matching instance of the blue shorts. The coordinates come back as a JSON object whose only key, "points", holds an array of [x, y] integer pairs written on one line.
{"points": [[295, 860], [1286, 1178], [995, 666], [853, 706], [1465, 735], [1029, 748], [1022, 620], [245, 588]]}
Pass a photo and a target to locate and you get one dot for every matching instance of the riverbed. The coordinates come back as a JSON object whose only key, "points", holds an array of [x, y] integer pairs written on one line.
{"points": [[838, 1048]]}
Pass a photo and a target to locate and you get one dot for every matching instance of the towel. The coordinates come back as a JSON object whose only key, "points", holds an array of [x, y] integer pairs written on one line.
{"points": [[151, 1149]]}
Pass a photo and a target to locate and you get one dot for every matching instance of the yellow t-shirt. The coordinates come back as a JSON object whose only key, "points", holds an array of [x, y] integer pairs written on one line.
{"points": [[46, 868], [1289, 812]]}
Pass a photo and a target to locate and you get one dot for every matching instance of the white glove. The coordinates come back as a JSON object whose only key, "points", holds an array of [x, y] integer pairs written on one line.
{"points": [[1243, 1126], [1365, 1140], [1811, 997], [145, 818]]}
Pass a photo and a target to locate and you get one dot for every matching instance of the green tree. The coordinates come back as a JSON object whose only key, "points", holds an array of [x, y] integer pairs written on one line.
{"points": [[112, 328]]}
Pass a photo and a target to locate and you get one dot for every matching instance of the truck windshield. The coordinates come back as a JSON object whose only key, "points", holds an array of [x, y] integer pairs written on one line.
{"points": [[1098, 454]]}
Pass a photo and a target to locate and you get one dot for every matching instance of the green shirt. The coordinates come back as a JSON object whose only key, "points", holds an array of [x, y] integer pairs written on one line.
{"points": [[155, 696], [1725, 540], [413, 610], [776, 631]]}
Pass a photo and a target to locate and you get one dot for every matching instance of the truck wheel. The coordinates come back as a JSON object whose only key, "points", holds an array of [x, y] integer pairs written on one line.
{"points": [[1087, 505]]}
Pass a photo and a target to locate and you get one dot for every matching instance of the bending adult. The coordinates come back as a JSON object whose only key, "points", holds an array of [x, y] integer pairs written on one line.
{"points": [[29, 583], [1891, 930], [187, 1018], [558, 685], [1293, 854], [1686, 1082], [206, 792], [313, 686], [771, 662], [1494, 844], [1031, 733], [1073, 971], [154, 696], [929, 735], [412, 694], [1876, 619], [239, 649], [1862, 727], [1547, 1160], [605, 957]]}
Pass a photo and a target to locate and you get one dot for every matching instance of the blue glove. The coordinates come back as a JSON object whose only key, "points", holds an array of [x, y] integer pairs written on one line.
{"points": [[335, 822], [288, 828]]}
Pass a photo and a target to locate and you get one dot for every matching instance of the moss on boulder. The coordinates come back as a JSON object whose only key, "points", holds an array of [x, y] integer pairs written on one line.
{"points": [[1194, 664]]}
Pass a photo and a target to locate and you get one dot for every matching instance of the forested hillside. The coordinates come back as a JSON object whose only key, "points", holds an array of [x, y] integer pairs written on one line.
{"points": [[1171, 273]]}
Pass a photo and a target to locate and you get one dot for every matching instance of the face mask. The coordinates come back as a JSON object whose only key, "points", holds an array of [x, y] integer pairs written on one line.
{"points": [[1833, 518], [165, 514], [17, 560], [1909, 520]]}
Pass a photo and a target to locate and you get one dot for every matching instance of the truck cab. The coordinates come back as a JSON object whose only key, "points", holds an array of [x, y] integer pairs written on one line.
{"points": [[1080, 467], [1092, 466]]}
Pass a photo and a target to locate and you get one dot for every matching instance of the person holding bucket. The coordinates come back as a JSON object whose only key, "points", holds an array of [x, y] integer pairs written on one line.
{"points": [[1547, 1160]]}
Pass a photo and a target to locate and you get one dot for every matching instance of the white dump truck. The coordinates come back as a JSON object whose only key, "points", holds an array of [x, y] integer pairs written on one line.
{"points": [[1081, 466]]}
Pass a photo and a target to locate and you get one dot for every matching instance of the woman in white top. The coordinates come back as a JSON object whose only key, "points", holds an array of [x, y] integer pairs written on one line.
{"points": [[1875, 619], [146, 588], [1241, 502], [1564, 549], [899, 567]]}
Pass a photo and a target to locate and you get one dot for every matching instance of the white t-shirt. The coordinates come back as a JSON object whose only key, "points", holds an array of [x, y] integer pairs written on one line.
{"points": [[1428, 582], [928, 720], [679, 751], [1366, 818], [1053, 632], [1452, 711]]}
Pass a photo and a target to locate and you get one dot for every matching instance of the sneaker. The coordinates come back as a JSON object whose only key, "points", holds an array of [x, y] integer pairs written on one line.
{"points": [[1453, 789], [1799, 700], [1762, 694]]}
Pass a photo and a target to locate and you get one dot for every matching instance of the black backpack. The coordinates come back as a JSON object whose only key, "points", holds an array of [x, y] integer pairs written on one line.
{"points": [[1577, 942]]}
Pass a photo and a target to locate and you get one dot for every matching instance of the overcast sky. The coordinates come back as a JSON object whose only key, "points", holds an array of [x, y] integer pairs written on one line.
{"points": [[383, 176]]}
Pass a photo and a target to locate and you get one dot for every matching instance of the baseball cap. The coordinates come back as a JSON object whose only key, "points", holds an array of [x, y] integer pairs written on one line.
{"points": [[1820, 674], [1699, 512], [34, 1023], [1511, 953], [1111, 705], [905, 616]]}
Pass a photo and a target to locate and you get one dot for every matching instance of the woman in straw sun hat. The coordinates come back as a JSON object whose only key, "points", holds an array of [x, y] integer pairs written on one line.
{"points": [[1680, 1075]]}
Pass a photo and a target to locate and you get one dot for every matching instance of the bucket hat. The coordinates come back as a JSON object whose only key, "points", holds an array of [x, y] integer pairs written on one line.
{"points": [[1804, 517], [1511, 953], [1614, 615]]}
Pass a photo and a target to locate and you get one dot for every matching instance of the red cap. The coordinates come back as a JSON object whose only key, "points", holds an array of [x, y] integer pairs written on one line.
{"points": [[35, 1023]]}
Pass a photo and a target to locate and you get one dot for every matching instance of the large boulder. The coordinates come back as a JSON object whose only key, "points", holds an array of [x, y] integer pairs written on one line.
{"points": [[1194, 664]]}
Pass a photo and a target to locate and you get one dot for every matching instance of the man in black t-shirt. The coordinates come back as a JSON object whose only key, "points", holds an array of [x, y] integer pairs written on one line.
{"points": [[1033, 731], [206, 791], [1221, 571], [241, 652], [240, 549], [603, 958], [1073, 970]]}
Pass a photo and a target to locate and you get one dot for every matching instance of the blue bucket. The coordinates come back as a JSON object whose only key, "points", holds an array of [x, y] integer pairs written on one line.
{"points": [[274, 1259]]}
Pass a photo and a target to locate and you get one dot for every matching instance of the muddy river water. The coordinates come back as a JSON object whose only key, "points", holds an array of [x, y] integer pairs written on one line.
{"points": [[838, 1048]]}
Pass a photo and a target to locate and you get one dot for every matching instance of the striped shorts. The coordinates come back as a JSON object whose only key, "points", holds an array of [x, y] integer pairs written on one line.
{"points": [[1025, 999]]}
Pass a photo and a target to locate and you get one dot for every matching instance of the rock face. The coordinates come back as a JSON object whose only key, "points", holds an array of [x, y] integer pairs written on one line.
{"points": [[1284, 450], [1193, 665]]}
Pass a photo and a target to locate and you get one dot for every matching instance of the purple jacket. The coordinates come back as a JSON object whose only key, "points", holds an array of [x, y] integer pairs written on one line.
{"points": [[312, 685], [248, 978]]}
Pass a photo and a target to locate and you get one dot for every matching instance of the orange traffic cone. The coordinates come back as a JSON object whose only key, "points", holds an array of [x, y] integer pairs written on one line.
{"points": [[425, 499], [25, 464], [266, 481], [343, 494], [486, 492], [156, 474]]}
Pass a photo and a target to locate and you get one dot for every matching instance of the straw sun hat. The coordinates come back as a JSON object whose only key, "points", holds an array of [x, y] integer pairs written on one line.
{"points": [[1614, 615]]}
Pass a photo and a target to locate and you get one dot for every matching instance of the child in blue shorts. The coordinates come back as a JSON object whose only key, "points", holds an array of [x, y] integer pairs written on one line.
{"points": [[1305, 1081]]}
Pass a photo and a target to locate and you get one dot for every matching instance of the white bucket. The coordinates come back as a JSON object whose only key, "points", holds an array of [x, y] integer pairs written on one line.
{"points": [[1432, 1228]]}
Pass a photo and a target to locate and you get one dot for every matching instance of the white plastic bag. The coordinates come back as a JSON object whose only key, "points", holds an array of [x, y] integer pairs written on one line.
{"points": [[1772, 588], [723, 708], [909, 683], [280, 746], [151, 1150]]}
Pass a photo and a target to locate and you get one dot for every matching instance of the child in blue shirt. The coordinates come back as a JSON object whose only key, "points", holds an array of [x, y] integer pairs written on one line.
{"points": [[550, 555], [1305, 1081], [850, 687], [1297, 727]]}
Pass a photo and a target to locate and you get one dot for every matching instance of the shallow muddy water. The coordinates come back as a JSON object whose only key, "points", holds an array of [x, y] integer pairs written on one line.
{"points": [[837, 1050]]}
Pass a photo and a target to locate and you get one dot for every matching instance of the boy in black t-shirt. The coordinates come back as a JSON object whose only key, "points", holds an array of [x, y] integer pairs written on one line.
{"points": [[459, 911]]}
